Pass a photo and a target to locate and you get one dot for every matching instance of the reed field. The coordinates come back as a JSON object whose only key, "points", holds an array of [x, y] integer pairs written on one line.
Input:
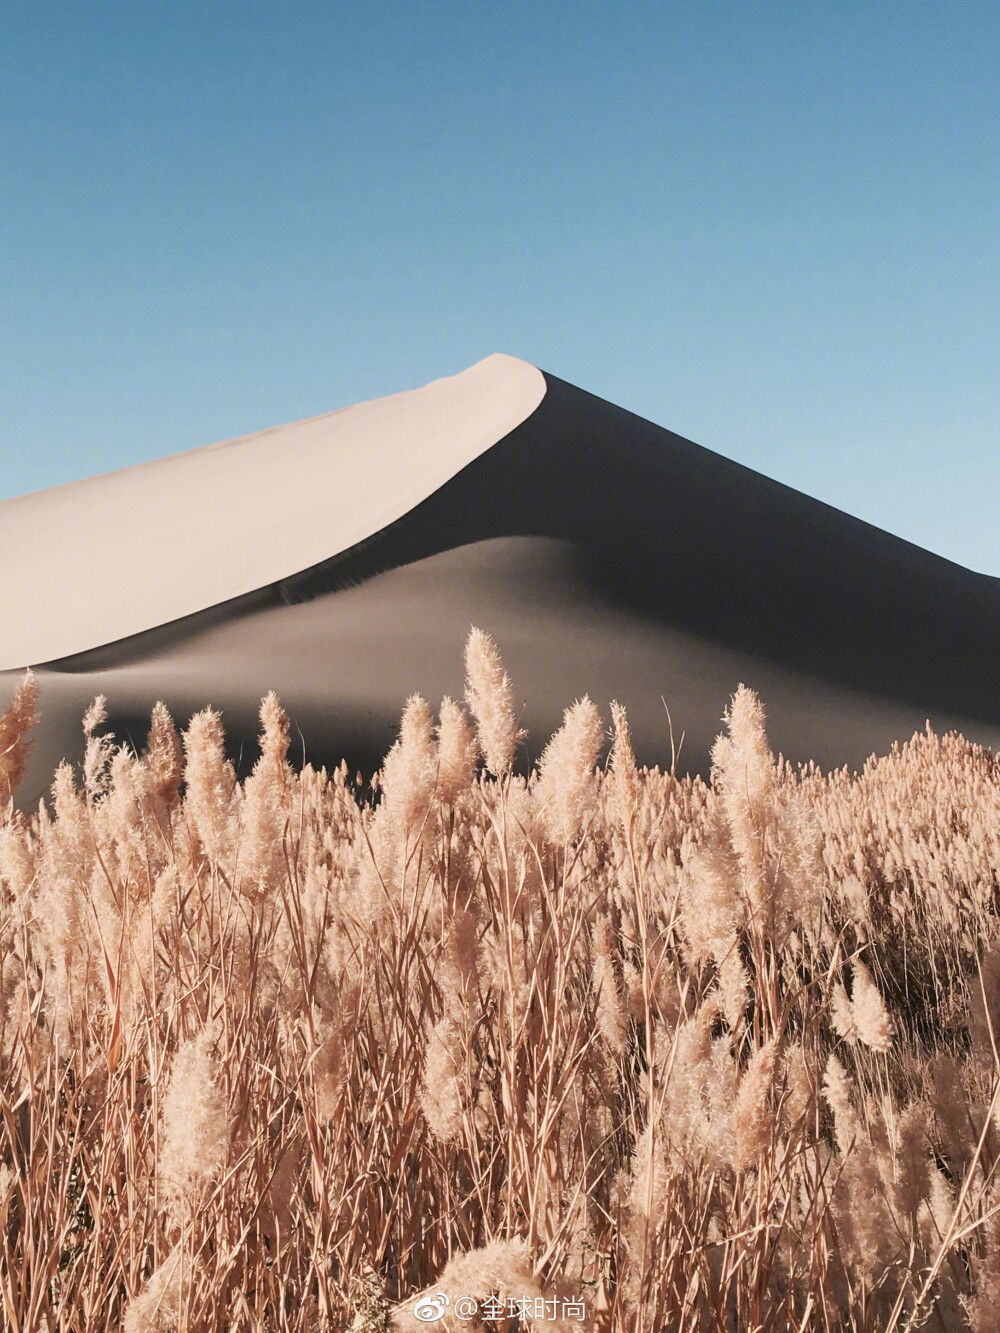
{"points": [[597, 1047]]}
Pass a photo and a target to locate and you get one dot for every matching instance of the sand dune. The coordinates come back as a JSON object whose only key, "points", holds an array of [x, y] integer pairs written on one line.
{"points": [[109, 557], [350, 554]]}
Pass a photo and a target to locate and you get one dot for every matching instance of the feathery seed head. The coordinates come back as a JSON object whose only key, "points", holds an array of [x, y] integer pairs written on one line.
{"points": [[752, 1119], [711, 906], [410, 768], [443, 1075], [837, 1090], [913, 1161], [501, 1269], [733, 985], [568, 786], [162, 757], [157, 1307], [274, 730], [611, 1018], [209, 782], [743, 772], [798, 1085], [625, 776], [267, 799], [490, 696], [842, 1015], [871, 1018], [457, 751], [97, 754], [20, 716], [196, 1127]]}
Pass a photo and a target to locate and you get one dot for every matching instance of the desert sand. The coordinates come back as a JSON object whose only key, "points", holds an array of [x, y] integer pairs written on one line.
{"points": [[341, 561], [102, 559]]}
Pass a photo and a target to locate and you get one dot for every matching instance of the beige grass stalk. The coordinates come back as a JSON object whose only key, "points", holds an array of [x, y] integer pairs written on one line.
{"points": [[210, 782], [753, 1114], [872, 1022], [267, 806], [163, 757], [18, 719], [457, 751], [490, 696], [409, 772], [196, 1130], [567, 789]]}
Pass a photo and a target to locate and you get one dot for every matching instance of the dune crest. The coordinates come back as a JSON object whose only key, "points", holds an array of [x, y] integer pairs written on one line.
{"points": [[109, 557]]}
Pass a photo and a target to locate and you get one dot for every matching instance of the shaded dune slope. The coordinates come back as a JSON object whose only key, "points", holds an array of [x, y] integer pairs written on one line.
{"points": [[677, 533], [605, 554]]}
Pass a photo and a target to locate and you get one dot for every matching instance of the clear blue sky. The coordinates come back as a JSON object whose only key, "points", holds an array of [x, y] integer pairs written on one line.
{"points": [[772, 227]]}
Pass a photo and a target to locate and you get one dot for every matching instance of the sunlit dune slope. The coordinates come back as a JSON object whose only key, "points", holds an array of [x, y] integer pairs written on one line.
{"points": [[112, 556]]}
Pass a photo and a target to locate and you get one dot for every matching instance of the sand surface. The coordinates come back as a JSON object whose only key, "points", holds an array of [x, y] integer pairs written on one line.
{"points": [[344, 662], [605, 554], [102, 559]]}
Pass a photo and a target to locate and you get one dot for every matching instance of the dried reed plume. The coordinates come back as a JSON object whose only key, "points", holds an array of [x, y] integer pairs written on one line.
{"points": [[490, 696], [195, 1135], [17, 721]]}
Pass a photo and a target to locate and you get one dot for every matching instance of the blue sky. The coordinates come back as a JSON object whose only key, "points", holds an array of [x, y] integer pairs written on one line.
{"points": [[772, 227]]}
